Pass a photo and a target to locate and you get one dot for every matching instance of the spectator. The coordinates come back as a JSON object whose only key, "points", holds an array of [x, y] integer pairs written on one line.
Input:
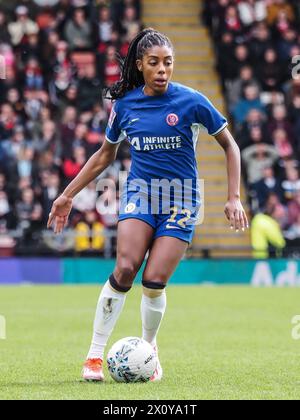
{"points": [[260, 41], [78, 31], [225, 57], [282, 24], [99, 119], [276, 7], [279, 120], [286, 43], [256, 158], [31, 49], [256, 136], [241, 59], [80, 135], [34, 102], [291, 184], [294, 209], [89, 89], [33, 75], [67, 130], [250, 101], [292, 236], [277, 210], [22, 27], [25, 163], [14, 99], [292, 89], [29, 213], [282, 143], [271, 73], [262, 189], [111, 67], [5, 211], [12, 147], [8, 121], [266, 231], [50, 190], [4, 33], [70, 98], [86, 199], [10, 81], [89, 234], [255, 118], [252, 11], [238, 85], [73, 165], [105, 25], [49, 141], [130, 22]]}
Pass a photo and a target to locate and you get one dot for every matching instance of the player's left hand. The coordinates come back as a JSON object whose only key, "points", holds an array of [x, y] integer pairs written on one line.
{"points": [[236, 215]]}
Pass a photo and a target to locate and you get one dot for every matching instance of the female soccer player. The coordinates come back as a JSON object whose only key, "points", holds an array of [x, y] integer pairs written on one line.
{"points": [[161, 120]]}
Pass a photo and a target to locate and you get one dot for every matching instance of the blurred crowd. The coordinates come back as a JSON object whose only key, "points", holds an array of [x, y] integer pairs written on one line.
{"points": [[60, 54], [257, 44], [58, 59]]}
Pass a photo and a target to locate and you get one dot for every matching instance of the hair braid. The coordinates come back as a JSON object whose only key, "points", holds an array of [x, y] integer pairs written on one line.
{"points": [[131, 77]]}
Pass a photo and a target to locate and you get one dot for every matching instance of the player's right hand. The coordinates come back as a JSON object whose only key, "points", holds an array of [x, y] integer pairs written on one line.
{"points": [[59, 214], [236, 215]]}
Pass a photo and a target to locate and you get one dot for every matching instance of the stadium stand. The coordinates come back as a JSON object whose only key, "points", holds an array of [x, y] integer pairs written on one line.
{"points": [[52, 117], [255, 43]]}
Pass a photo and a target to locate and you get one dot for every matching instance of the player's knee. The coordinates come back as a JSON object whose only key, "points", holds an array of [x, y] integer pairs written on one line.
{"points": [[125, 272], [118, 285], [157, 275]]}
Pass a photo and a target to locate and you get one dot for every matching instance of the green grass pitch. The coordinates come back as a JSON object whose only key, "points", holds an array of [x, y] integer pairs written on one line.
{"points": [[215, 343]]}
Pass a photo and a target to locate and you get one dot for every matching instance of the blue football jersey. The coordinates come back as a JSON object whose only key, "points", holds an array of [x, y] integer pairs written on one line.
{"points": [[163, 131]]}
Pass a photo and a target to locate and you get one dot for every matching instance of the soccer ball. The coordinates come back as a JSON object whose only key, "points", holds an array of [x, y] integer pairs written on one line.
{"points": [[131, 359]]}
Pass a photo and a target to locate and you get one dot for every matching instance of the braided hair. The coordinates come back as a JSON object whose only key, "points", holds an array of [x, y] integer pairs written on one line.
{"points": [[131, 77]]}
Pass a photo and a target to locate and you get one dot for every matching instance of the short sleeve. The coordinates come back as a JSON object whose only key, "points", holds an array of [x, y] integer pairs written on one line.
{"points": [[209, 116], [114, 133]]}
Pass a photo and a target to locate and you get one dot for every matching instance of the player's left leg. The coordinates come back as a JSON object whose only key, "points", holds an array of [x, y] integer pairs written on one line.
{"points": [[164, 257]]}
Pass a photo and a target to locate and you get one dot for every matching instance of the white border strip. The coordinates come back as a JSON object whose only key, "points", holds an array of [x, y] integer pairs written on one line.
{"points": [[220, 129], [120, 139]]}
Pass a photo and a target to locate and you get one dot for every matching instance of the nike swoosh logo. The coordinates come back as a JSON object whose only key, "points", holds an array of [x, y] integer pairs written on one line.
{"points": [[172, 227]]}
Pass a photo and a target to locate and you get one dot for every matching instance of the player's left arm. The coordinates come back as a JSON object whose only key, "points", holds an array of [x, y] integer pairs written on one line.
{"points": [[234, 209]]}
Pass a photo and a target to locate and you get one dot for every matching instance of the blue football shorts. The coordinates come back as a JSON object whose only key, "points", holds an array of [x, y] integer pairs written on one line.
{"points": [[174, 220]]}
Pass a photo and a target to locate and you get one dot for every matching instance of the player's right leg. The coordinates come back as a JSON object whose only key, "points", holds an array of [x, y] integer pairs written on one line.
{"points": [[133, 241]]}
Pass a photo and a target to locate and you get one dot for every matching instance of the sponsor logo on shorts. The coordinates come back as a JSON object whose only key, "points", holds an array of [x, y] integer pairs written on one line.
{"points": [[130, 208], [172, 119]]}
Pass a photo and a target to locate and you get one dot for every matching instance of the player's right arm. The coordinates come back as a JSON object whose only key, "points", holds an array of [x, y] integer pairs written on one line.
{"points": [[62, 207]]}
